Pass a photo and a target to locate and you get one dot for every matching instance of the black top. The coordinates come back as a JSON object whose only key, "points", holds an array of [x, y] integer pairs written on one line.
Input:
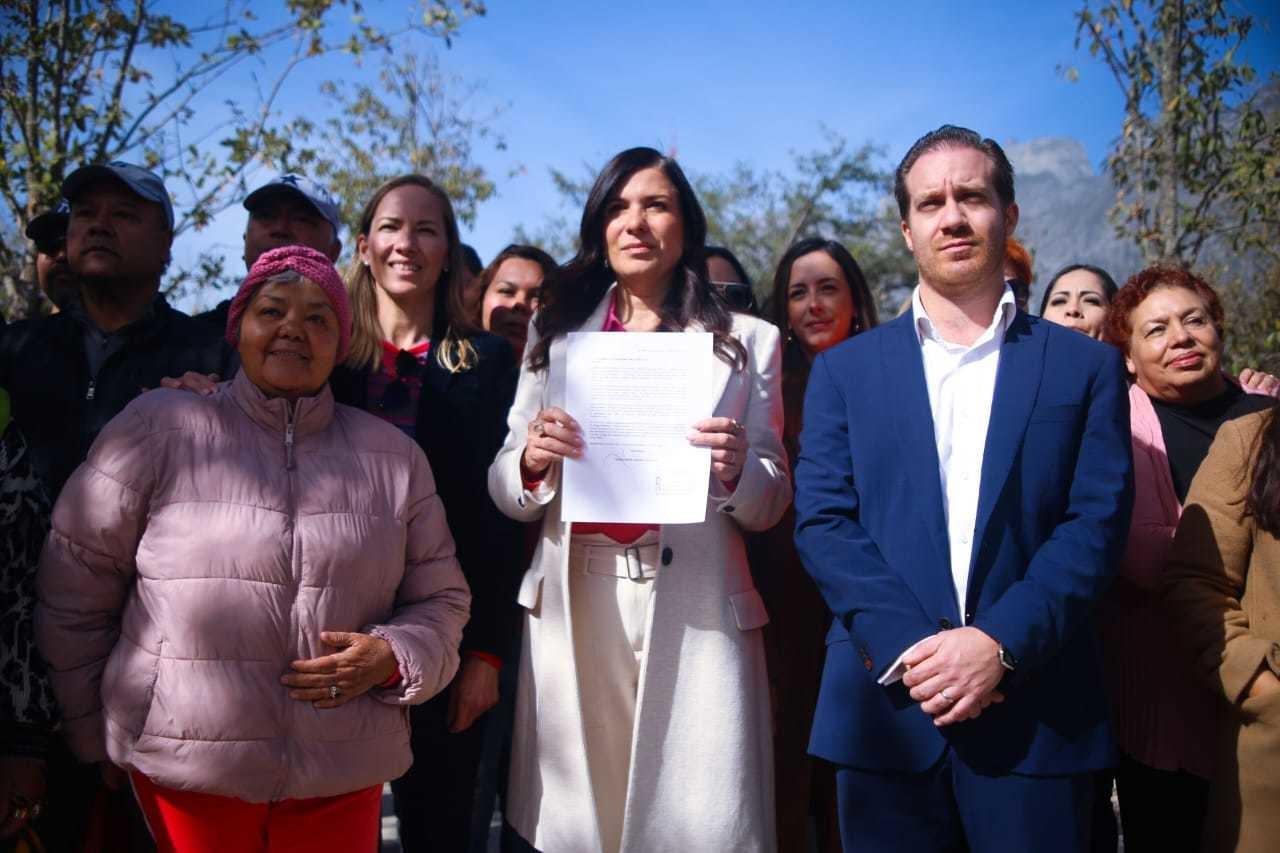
{"points": [[461, 424], [1189, 430], [61, 403]]}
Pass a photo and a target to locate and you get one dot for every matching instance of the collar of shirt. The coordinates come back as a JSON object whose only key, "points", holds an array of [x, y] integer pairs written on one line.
{"points": [[612, 323], [1006, 308]]}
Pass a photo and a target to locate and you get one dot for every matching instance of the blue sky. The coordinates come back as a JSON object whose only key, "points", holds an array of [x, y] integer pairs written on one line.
{"points": [[722, 82]]}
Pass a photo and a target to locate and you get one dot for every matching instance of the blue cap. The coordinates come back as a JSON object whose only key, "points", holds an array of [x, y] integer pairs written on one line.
{"points": [[50, 227], [144, 184], [304, 188]]}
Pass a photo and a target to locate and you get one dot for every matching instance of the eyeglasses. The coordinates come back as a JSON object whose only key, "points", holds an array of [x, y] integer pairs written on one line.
{"points": [[738, 296], [396, 397]]}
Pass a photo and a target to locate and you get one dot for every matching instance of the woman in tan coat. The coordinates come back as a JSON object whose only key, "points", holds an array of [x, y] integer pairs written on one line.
{"points": [[1224, 591]]}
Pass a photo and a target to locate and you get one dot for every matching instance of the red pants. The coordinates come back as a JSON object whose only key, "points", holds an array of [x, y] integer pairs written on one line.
{"points": [[190, 822]]}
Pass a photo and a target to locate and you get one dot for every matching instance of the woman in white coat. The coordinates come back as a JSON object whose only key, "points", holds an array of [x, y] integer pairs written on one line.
{"points": [[642, 719]]}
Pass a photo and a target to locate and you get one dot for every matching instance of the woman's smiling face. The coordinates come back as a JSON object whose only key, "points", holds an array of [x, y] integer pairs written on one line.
{"points": [[289, 339]]}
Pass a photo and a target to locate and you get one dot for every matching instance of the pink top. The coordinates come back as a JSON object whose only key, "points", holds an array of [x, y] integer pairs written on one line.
{"points": [[1163, 717]]}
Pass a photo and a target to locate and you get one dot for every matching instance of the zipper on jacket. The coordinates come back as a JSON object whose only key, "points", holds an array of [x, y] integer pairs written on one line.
{"points": [[88, 394], [288, 433], [295, 570]]}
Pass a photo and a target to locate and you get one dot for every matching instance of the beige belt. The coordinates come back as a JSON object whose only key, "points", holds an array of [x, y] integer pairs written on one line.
{"points": [[638, 561]]}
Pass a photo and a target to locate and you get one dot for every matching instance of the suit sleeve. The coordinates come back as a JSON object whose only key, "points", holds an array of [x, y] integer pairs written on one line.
{"points": [[489, 543], [506, 486], [1208, 570], [863, 591], [763, 490], [1038, 614]]}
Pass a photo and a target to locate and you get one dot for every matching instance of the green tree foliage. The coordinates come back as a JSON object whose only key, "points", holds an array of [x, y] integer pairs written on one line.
{"points": [[85, 81], [1253, 321], [418, 119], [1198, 157], [837, 191]]}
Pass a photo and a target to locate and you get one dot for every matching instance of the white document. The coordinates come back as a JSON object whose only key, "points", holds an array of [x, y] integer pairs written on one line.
{"points": [[636, 396]]}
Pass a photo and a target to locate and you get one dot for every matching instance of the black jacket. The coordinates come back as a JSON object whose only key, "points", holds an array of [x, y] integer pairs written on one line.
{"points": [[461, 423], [61, 408]]}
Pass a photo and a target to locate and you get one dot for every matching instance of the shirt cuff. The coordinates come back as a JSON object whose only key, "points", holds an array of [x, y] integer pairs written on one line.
{"points": [[897, 669], [395, 679], [493, 660]]}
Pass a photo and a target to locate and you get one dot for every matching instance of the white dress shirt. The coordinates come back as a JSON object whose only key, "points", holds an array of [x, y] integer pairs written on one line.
{"points": [[962, 382]]}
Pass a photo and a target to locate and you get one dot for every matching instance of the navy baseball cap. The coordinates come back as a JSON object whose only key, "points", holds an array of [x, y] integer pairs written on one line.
{"points": [[49, 229], [304, 188], [144, 184]]}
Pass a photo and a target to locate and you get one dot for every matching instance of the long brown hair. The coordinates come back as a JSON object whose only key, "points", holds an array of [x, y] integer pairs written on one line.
{"points": [[584, 280], [451, 325], [864, 304], [1263, 499]]}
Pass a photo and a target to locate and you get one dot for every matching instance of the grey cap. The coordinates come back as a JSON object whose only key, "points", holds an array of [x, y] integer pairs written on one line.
{"points": [[303, 187], [144, 184], [50, 227]]}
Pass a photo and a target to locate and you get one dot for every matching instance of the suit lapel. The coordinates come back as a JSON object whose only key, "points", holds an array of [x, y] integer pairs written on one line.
{"points": [[904, 373], [1017, 382], [720, 373]]}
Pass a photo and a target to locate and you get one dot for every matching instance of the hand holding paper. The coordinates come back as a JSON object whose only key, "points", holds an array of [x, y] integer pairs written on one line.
{"points": [[728, 442], [552, 436]]}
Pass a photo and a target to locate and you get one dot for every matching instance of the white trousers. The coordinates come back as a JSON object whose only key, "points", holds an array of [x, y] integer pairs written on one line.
{"points": [[610, 595]]}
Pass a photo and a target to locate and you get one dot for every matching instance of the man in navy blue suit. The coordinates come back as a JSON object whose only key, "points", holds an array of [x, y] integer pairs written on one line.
{"points": [[962, 493]]}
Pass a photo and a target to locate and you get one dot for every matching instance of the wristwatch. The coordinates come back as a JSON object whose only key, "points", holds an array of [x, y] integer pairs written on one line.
{"points": [[1006, 660]]}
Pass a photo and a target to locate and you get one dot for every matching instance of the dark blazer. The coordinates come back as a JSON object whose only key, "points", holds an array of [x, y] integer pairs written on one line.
{"points": [[462, 421], [1053, 511], [61, 408]]}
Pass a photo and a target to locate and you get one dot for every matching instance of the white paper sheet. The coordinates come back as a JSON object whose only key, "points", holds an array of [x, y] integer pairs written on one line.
{"points": [[636, 396]]}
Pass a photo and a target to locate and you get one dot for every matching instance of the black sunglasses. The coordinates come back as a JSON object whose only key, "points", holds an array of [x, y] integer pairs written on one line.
{"points": [[737, 296], [396, 397]]}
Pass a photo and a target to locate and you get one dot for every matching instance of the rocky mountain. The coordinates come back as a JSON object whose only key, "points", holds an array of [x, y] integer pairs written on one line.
{"points": [[1064, 202]]}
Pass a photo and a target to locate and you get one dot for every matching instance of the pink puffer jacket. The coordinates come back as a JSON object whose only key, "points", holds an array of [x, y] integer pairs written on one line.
{"points": [[201, 548]]}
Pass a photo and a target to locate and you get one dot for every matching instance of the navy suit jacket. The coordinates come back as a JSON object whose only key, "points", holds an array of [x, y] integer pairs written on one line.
{"points": [[1053, 511]]}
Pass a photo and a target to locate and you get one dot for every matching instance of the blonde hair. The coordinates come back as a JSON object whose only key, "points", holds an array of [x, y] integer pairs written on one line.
{"points": [[451, 327]]}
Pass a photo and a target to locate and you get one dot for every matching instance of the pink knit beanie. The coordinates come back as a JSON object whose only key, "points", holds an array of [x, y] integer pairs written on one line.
{"points": [[306, 262]]}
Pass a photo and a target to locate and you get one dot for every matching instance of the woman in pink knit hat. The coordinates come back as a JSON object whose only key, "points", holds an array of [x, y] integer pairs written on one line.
{"points": [[244, 590]]}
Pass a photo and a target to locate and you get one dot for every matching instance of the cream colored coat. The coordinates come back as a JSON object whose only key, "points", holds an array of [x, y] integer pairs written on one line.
{"points": [[702, 765]]}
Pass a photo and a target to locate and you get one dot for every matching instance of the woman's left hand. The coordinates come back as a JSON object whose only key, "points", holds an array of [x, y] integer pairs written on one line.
{"points": [[473, 693], [363, 662], [728, 442], [1257, 382]]}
